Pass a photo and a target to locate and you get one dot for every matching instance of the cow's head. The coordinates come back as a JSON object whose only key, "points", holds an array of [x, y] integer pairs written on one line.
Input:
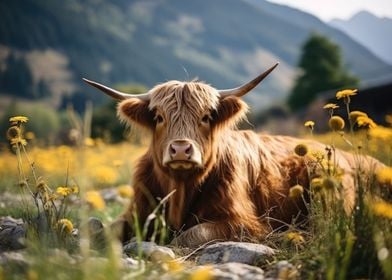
{"points": [[184, 118]]}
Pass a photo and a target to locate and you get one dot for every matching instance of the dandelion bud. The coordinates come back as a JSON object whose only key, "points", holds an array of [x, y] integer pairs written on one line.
{"points": [[336, 123], [329, 183], [296, 191], [295, 237], [316, 184], [301, 150], [22, 183], [13, 132]]}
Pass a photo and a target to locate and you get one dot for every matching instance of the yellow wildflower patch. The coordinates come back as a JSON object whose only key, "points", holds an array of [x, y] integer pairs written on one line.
{"points": [[382, 209], [366, 122], [95, 200], [346, 93], [384, 175], [381, 132], [125, 191], [105, 174], [202, 273]]}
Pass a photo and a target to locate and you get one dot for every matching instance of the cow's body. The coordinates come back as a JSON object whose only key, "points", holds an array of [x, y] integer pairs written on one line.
{"points": [[229, 184]]}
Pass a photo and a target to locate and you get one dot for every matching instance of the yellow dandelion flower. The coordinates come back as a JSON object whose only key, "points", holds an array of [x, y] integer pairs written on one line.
{"points": [[296, 191], [295, 237], [355, 114], [316, 184], [366, 122], [125, 191], [105, 175], [18, 140], [346, 93], [317, 155], [64, 191], [330, 106], [202, 273], [95, 200], [30, 135], [384, 176], [309, 124], [336, 123], [89, 142], [117, 163], [75, 189], [301, 150], [174, 266], [19, 119], [382, 209], [65, 225]]}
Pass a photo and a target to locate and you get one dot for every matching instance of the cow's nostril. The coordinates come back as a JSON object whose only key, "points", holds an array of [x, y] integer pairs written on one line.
{"points": [[172, 150], [188, 150]]}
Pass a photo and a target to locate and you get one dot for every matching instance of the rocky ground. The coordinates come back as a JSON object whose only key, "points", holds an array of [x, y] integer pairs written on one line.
{"points": [[226, 260]]}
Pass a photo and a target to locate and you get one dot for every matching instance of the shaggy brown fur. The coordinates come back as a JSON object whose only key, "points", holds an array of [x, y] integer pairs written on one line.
{"points": [[240, 191]]}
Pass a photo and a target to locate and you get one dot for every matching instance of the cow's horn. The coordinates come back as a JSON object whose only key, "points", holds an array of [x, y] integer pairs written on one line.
{"points": [[245, 88], [117, 94]]}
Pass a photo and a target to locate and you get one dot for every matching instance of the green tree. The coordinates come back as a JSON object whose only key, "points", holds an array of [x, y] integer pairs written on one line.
{"points": [[322, 68]]}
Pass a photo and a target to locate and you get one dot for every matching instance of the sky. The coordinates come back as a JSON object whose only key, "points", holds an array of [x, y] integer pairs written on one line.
{"points": [[342, 9]]}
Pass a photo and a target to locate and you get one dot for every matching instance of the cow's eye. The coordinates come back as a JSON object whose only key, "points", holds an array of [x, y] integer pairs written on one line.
{"points": [[206, 119], [158, 119]]}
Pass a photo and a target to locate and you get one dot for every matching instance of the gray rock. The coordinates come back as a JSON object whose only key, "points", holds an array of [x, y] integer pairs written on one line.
{"points": [[150, 250], [12, 234], [14, 261], [236, 271], [240, 252]]}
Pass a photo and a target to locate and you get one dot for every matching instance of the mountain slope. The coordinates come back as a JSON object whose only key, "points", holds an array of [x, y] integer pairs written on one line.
{"points": [[223, 42], [371, 31]]}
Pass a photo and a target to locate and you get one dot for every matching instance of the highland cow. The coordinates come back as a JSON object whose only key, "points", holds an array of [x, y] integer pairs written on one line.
{"points": [[229, 184]]}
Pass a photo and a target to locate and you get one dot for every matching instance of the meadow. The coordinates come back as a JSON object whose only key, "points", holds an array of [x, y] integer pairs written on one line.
{"points": [[55, 189]]}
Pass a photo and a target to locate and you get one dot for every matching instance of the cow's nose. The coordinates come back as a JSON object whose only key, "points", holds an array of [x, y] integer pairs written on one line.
{"points": [[180, 150]]}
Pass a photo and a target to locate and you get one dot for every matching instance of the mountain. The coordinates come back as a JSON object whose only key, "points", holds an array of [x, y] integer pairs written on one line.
{"points": [[223, 42], [371, 31]]}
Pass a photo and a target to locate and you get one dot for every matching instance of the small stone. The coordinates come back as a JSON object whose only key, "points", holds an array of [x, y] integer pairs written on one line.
{"points": [[240, 252], [236, 271], [12, 234], [150, 250]]}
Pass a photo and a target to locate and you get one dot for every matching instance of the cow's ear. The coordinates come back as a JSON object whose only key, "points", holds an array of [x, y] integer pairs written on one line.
{"points": [[137, 111], [230, 111]]}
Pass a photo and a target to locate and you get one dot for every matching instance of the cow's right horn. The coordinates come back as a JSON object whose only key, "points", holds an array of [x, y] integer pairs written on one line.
{"points": [[245, 88], [117, 94]]}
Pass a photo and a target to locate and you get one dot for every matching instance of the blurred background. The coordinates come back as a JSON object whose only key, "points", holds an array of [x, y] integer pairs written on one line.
{"points": [[47, 46]]}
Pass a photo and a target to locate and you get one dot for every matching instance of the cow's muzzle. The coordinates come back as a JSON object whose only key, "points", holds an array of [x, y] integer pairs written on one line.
{"points": [[182, 154]]}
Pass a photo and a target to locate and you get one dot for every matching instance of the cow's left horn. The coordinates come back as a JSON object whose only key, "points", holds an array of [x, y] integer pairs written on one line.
{"points": [[245, 88], [115, 93]]}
